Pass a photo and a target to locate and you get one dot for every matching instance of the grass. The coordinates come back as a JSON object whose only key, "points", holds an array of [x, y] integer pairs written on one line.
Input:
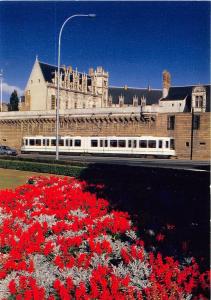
{"points": [[13, 178]]}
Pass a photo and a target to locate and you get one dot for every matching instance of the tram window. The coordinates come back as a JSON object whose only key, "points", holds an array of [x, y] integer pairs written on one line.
{"points": [[134, 143], [172, 146], [101, 143], [61, 142], [167, 144], [152, 144], [121, 143], [31, 142], [26, 142], [53, 142], [106, 143], [160, 144], [113, 143], [43, 142], [129, 143], [38, 142], [94, 143], [70, 143], [142, 144], [77, 143]]}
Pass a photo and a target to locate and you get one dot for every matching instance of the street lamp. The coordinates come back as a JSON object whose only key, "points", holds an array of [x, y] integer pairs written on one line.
{"points": [[58, 79]]}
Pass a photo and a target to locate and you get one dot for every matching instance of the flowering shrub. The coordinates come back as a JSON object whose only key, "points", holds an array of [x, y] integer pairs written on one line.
{"points": [[58, 241]]}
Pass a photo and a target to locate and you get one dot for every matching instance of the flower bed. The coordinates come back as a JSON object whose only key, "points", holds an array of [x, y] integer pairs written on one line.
{"points": [[59, 241]]}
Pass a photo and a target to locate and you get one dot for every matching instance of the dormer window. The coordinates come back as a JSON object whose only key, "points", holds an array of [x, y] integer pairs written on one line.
{"points": [[199, 99], [199, 102]]}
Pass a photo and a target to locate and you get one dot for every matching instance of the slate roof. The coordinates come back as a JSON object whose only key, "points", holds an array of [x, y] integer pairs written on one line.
{"points": [[49, 70], [152, 96], [181, 92]]}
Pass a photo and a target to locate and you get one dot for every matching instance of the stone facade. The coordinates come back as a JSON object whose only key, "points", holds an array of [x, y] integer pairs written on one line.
{"points": [[120, 122], [77, 90]]}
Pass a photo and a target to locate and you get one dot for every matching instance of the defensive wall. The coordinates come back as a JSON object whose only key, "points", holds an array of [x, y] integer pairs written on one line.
{"points": [[127, 121]]}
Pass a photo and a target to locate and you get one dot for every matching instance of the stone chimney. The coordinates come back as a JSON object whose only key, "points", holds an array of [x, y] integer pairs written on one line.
{"points": [[166, 83]]}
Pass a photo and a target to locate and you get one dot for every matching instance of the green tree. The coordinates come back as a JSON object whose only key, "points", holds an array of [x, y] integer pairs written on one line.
{"points": [[14, 100]]}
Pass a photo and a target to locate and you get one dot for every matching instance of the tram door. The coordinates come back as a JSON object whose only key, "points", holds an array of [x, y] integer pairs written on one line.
{"points": [[103, 145], [132, 144]]}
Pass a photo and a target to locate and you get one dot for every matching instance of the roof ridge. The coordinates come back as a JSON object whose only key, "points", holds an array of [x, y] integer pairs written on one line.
{"points": [[44, 63], [192, 85], [137, 88]]}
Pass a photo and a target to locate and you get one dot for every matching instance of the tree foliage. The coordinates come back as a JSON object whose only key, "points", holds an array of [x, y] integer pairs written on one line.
{"points": [[14, 101]]}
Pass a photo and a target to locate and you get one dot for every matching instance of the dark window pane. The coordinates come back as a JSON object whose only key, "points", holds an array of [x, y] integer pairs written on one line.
{"points": [[122, 143], [129, 143], [101, 143], [142, 144], [172, 145], [134, 143], [113, 143], [106, 143], [77, 143], [53, 142], [31, 142], [160, 144], [167, 144], [94, 143], [171, 122], [152, 144], [61, 142]]}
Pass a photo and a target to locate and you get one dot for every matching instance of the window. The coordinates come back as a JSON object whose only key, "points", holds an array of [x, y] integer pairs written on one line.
{"points": [[129, 143], [61, 142], [121, 143], [202, 143], [160, 144], [53, 142], [101, 143], [38, 142], [113, 143], [94, 143], [199, 102], [196, 122], [171, 122], [31, 142], [167, 144], [151, 144], [53, 101], [172, 145], [26, 142], [77, 143], [187, 144], [106, 143], [142, 144], [132, 143]]}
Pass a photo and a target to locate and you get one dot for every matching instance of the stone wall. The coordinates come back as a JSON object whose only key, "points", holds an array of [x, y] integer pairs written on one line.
{"points": [[13, 129]]}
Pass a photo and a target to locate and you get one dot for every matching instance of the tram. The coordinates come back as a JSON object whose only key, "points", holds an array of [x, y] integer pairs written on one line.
{"points": [[102, 145]]}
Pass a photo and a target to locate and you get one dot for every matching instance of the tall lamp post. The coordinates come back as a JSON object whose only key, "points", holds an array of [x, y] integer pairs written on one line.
{"points": [[58, 78]]}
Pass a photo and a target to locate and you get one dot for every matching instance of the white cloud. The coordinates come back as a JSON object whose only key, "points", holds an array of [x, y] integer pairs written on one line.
{"points": [[8, 89]]}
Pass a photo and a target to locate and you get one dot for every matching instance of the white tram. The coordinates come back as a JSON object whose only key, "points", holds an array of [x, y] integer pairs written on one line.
{"points": [[105, 145]]}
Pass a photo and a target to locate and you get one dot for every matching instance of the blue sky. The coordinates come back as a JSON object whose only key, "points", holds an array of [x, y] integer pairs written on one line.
{"points": [[133, 41]]}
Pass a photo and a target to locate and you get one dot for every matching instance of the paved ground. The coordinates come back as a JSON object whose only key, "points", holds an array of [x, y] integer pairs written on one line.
{"points": [[199, 166]]}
